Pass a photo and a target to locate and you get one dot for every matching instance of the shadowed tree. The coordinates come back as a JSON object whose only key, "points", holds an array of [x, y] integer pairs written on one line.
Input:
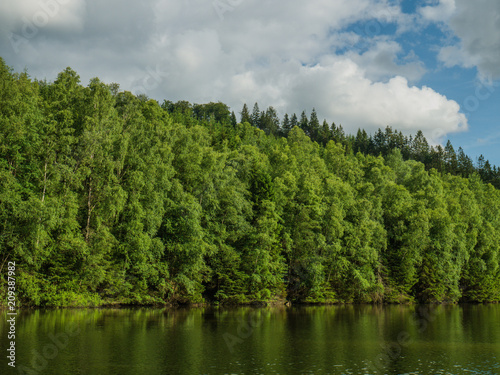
{"points": [[255, 117], [245, 115]]}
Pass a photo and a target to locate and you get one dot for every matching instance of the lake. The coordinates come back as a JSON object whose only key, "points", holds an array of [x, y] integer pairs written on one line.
{"points": [[351, 339]]}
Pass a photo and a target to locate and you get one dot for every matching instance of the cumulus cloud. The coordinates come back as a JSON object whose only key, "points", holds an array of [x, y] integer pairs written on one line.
{"points": [[440, 12], [477, 25], [354, 100], [284, 54], [28, 17], [383, 61]]}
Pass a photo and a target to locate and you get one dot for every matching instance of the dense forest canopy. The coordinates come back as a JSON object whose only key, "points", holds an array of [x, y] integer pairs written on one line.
{"points": [[106, 197]]}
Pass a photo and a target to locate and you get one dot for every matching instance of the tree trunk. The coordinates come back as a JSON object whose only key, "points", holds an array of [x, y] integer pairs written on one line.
{"points": [[89, 211]]}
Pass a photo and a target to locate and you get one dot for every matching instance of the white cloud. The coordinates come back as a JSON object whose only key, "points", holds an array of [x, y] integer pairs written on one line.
{"points": [[27, 17], [477, 24], [440, 12], [382, 62], [455, 55], [353, 100], [280, 53]]}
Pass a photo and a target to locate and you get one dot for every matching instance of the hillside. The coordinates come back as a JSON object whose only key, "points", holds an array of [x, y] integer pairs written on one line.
{"points": [[106, 197]]}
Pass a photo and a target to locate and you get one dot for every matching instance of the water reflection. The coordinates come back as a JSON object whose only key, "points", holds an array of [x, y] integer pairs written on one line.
{"points": [[299, 340]]}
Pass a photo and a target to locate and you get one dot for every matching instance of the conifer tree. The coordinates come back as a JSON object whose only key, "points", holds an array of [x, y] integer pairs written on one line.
{"points": [[304, 123], [245, 115], [256, 116], [294, 121], [325, 133], [286, 126], [450, 158], [314, 126]]}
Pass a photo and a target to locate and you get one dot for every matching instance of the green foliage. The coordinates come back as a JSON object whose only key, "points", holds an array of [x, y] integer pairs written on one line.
{"points": [[106, 197]]}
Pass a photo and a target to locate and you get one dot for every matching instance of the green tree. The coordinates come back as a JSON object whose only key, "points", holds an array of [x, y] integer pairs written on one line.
{"points": [[314, 127], [255, 117], [245, 115]]}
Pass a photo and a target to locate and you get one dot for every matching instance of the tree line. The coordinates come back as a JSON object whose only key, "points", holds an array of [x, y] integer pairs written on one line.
{"points": [[107, 197], [443, 159]]}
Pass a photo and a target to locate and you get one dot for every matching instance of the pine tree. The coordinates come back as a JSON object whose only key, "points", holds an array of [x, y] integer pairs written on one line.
{"points": [[233, 119], [270, 121], [380, 143], [361, 142], [294, 121], [325, 133], [437, 158], [304, 123], [450, 158], [286, 126], [420, 148], [338, 134], [480, 162], [464, 163], [256, 116], [245, 115], [314, 126]]}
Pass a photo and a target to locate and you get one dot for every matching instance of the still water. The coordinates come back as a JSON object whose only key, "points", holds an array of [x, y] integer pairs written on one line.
{"points": [[461, 339]]}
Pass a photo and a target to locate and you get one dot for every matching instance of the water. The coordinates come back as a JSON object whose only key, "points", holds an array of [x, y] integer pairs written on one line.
{"points": [[298, 340]]}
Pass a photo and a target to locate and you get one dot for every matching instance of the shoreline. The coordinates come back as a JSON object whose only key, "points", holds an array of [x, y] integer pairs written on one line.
{"points": [[287, 304]]}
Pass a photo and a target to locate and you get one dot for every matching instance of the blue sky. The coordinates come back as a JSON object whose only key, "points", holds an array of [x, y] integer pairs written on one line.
{"points": [[478, 96], [413, 65]]}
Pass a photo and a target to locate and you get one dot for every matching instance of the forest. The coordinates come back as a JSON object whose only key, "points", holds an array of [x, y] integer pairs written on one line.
{"points": [[111, 198]]}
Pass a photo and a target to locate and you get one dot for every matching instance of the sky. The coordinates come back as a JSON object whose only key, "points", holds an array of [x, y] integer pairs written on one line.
{"points": [[430, 65]]}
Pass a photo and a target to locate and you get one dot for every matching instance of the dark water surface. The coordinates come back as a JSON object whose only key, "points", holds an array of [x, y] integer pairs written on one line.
{"points": [[461, 339]]}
